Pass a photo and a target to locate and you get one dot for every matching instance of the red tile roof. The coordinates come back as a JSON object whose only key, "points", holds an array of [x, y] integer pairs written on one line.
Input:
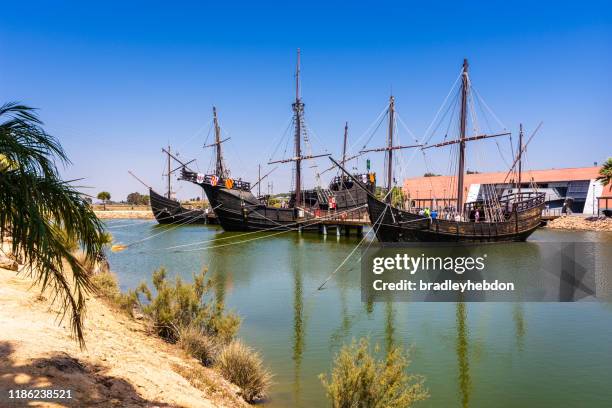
{"points": [[444, 186]]}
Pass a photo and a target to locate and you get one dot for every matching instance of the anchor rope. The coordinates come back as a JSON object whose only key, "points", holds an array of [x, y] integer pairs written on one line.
{"points": [[354, 249], [289, 226], [313, 222]]}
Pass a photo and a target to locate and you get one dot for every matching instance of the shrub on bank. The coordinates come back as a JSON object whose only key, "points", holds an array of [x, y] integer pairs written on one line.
{"points": [[360, 380], [188, 315], [180, 305], [203, 347], [243, 366], [107, 286]]}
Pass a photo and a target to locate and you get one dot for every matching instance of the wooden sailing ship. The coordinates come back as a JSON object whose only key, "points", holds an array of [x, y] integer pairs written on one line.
{"points": [[238, 209], [510, 217], [167, 210]]}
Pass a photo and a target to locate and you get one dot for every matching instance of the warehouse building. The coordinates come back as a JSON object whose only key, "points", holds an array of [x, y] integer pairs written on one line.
{"points": [[577, 187]]}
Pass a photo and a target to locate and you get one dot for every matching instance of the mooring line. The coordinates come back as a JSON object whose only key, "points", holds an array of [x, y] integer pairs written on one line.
{"points": [[306, 224], [276, 227], [353, 251]]}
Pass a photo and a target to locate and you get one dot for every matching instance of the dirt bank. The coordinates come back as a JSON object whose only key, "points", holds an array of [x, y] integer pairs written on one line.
{"points": [[581, 223], [122, 366], [132, 214]]}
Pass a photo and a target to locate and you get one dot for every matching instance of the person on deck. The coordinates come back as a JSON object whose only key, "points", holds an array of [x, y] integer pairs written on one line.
{"points": [[434, 214]]}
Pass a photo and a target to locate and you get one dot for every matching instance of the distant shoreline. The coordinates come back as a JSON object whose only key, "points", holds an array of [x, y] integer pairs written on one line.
{"points": [[125, 214]]}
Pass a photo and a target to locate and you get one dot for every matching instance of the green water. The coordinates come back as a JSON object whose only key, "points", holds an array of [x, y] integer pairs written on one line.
{"points": [[473, 355]]}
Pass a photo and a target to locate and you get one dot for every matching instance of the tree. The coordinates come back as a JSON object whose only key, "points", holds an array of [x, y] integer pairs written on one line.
{"points": [[104, 196], [134, 198], [44, 215], [137, 199], [605, 173], [428, 174]]}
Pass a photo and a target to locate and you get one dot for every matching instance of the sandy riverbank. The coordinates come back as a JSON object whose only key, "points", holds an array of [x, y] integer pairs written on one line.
{"points": [[581, 223], [123, 365], [131, 214]]}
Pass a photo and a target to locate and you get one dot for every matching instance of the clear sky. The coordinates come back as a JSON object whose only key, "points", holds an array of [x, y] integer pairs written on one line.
{"points": [[117, 81]]}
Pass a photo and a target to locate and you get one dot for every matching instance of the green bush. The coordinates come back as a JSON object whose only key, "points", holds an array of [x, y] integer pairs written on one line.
{"points": [[180, 305], [199, 345], [107, 286], [243, 366], [360, 380]]}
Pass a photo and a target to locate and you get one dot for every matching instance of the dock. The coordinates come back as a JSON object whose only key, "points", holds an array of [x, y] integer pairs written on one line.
{"points": [[340, 225]]}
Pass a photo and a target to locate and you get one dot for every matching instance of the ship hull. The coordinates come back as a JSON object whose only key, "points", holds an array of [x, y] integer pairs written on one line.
{"points": [[167, 211], [239, 210], [394, 225]]}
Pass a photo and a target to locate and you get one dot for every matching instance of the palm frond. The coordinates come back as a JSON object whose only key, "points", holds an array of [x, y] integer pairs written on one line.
{"points": [[44, 215]]}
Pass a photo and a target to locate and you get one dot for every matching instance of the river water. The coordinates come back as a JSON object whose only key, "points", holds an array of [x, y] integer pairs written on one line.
{"points": [[472, 354]]}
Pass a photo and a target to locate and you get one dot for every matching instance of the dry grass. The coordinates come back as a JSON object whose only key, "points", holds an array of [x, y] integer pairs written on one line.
{"points": [[243, 366], [107, 287], [214, 387], [199, 345]]}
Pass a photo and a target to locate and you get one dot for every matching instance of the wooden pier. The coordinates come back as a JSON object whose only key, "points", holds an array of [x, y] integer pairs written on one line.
{"points": [[340, 225]]}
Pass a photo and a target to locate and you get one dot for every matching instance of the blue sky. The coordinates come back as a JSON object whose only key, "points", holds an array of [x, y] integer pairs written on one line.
{"points": [[116, 81]]}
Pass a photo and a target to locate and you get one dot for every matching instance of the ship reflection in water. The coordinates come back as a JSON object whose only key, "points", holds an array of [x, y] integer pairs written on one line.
{"points": [[465, 350]]}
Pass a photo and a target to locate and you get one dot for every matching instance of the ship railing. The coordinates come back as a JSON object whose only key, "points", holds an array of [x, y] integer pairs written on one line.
{"points": [[347, 179], [213, 179], [359, 214]]}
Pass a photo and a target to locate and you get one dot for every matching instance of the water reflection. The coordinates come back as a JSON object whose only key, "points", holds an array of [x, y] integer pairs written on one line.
{"points": [[269, 282], [389, 326], [518, 315], [298, 326], [465, 383], [339, 335]]}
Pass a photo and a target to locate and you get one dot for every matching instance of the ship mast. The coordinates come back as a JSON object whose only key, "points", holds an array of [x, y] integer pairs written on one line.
{"points": [[389, 148], [220, 170], [344, 144], [169, 176], [520, 160], [462, 128], [298, 108], [219, 163]]}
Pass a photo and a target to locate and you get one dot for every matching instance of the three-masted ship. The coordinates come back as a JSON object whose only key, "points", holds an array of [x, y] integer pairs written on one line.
{"points": [[238, 209], [511, 217]]}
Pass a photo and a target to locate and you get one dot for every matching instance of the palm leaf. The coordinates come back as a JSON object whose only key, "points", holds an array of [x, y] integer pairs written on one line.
{"points": [[44, 215]]}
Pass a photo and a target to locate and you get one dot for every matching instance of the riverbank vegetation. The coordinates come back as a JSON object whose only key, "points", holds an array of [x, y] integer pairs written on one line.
{"points": [[188, 315], [358, 379], [44, 215]]}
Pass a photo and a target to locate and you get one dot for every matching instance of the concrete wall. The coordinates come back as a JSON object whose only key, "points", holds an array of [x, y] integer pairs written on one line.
{"points": [[595, 190]]}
